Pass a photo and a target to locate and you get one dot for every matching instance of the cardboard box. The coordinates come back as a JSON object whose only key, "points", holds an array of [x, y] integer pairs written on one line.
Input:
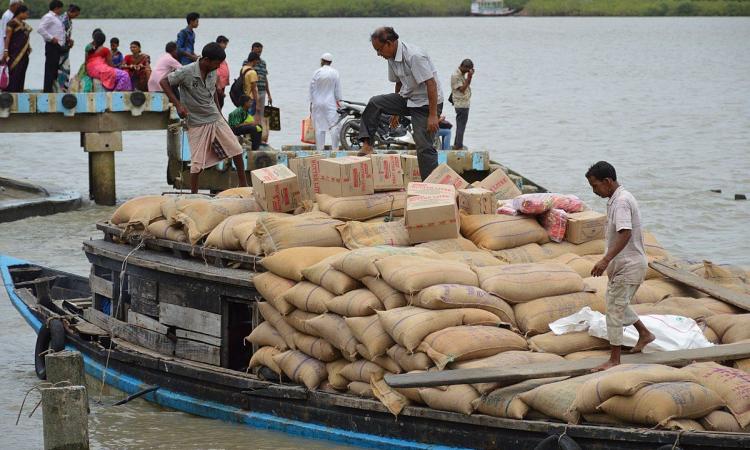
{"points": [[307, 170], [410, 166], [443, 174], [347, 176], [387, 174], [477, 201], [420, 188], [275, 188], [585, 226], [501, 184], [431, 217]]}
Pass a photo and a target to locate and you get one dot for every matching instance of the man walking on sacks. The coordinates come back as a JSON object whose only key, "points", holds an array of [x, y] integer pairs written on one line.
{"points": [[625, 260], [418, 95], [325, 94]]}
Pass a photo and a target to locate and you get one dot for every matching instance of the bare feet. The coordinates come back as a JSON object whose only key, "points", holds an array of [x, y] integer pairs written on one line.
{"points": [[607, 365], [643, 340], [366, 149]]}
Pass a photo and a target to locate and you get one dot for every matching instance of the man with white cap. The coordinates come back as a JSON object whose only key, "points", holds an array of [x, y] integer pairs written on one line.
{"points": [[325, 93], [7, 16]]}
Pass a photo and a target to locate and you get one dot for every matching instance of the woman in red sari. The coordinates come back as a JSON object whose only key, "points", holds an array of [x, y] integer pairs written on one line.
{"points": [[138, 66], [99, 66]]}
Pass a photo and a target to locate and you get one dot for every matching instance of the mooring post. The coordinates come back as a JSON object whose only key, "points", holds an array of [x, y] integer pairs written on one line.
{"points": [[101, 148], [65, 418], [65, 366]]}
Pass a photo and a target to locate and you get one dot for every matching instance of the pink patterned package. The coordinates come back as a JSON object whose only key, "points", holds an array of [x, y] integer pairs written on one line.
{"points": [[555, 221], [540, 203]]}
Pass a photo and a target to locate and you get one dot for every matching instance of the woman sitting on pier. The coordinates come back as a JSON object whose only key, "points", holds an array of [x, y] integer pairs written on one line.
{"points": [[138, 65], [17, 49], [99, 66]]}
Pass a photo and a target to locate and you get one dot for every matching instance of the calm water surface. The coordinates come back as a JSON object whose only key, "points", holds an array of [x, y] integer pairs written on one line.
{"points": [[666, 100]]}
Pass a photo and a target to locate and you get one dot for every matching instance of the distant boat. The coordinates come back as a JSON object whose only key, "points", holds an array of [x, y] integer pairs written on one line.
{"points": [[491, 8]]}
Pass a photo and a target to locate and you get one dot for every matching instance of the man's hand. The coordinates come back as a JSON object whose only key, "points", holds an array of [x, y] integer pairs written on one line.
{"points": [[70, 43], [55, 41], [194, 57], [268, 97], [182, 111], [600, 267], [471, 73], [394, 121], [432, 124]]}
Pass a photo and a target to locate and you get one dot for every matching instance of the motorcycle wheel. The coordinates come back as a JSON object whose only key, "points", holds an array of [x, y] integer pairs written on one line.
{"points": [[349, 135]]}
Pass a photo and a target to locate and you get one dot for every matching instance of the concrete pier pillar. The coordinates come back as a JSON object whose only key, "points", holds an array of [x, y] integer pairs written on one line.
{"points": [[101, 148], [65, 418], [65, 366]]}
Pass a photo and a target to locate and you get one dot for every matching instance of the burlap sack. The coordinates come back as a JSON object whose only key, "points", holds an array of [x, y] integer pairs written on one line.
{"points": [[362, 207], [511, 358], [171, 204], [557, 399], [297, 319], [523, 254], [722, 421], [714, 305], [498, 231], [245, 234], [302, 368], [555, 249], [587, 354], [566, 343], [672, 288], [410, 274], [409, 325], [360, 263], [361, 370], [264, 357], [504, 402], [644, 294], [474, 316], [241, 192], [452, 296], [473, 259], [730, 277], [271, 315], [360, 389], [305, 230], [161, 229], [410, 361], [653, 247], [290, 262], [535, 316], [682, 425], [386, 362], [650, 273], [358, 235], [369, 331], [356, 303], [392, 399], [579, 264], [730, 327], [272, 288], [334, 374], [265, 335], [457, 398], [388, 296], [323, 274], [316, 347], [200, 217], [333, 329], [223, 236], [732, 385], [657, 403], [626, 381], [518, 283], [138, 213], [463, 343], [678, 306], [308, 297], [459, 244]]}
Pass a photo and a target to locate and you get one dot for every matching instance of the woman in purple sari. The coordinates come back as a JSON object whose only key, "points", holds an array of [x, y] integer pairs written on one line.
{"points": [[17, 49]]}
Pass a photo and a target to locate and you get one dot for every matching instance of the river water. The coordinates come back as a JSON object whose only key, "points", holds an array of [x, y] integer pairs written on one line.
{"points": [[666, 100]]}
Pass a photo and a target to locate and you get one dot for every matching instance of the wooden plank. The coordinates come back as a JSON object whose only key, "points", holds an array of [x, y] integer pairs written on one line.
{"points": [[512, 375], [146, 322], [36, 281], [190, 294], [101, 286], [190, 319], [98, 318], [144, 306], [27, 296], [145, 289], [90, 329], [200, 337], [715, 290], [198, 351]]}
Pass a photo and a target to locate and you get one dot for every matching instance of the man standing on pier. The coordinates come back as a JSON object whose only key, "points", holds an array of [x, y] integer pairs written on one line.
{"points": [[325, 94], [52, 30], [211, 139], [461, 98], [418, 95], [264, 89], [625, 260]]}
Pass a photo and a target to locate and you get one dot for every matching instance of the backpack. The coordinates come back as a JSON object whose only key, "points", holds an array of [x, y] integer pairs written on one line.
{"points": [[238, 88]]}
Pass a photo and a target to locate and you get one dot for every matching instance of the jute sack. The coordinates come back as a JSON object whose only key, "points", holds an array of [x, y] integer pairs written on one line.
{"points": [[388, 296], [473, 259], [523, 254], [362, 207], [409, 325], [650, 273], [459, 244], [644, 294], [566, 343], [498, 231], [463, 343], [245, 234], [708, 333], [626, 381], [474, 316], [265, 335], [138, 213], [452, 296], [714, 305], [730, 327], [586, 354], [223, 236], [511, 358], [200, 217], [732, 385], [457, 398], [579, 264], [271, 315], [557, 399], [410, 361], [333, 329], [389, 397], [535, 316], [678, 306], [672, 288], [682, 425], [161, 229], [384, 361], [316, 347], [272, 288], [653, 247], [264, 357], [603, 419], [731, 277], [171, 204], [356, 303], [358, 235], [413, 273], [722, 421], [360, 389], [504, 402], [369, 331], [290, 262], [518, 283], [657, 403], [308, 297], [555, 249], [297, 319], [323, 274], [334, 374], [305, 230], [360, 263], [241, 192], [302, 368], [361, 370]]}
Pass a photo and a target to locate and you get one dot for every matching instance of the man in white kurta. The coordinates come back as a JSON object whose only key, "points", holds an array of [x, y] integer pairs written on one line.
{"points": [[325, 93]]}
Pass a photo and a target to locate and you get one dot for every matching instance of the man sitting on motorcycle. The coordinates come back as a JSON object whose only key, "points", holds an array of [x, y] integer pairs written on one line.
{"points": [[418, 95]]}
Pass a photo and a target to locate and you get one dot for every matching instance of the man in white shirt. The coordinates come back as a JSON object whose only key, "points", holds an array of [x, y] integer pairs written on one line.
{"points": [[7, 16], [325, 94], [52, 31]]}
